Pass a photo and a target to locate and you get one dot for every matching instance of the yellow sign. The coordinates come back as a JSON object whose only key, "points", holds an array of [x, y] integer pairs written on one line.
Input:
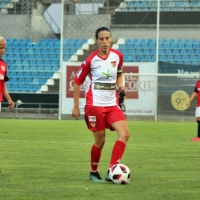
{"points": [[179, 99]]}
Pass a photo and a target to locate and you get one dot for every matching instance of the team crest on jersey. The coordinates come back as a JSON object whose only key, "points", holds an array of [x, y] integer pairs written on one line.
{"points": [[3, 68], [92, 124], [113, 63]]}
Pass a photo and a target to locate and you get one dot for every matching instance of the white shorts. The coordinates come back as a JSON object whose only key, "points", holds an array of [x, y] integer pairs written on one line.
{"points": [[197, 113]]}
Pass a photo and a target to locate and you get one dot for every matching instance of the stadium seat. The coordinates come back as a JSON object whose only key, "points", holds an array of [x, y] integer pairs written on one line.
{"points": [[27, 74], [185, 58], [183, 52], [140, 58]]}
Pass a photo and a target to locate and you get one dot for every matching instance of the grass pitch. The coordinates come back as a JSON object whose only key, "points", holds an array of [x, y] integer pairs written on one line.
{"points": [[50, 159]]}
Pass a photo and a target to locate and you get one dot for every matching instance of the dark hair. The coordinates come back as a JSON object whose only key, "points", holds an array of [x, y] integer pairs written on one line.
{"points": [[101, 29]]}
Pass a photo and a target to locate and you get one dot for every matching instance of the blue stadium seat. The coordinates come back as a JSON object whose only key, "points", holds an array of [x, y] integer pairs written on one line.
{"points": [[185, 58], [28, 80], [34, 75], [121, 46], [14, 80], [33, 69], [19, 68], [14, 88], [12, 74], [25, 63], [139, 52], [183, 52], [32, 62], [55, 69], [35, 81], [42, 75], [140, 58], [137, 46], [144, 46], [170, 58], [177, 58], [147, 58], [175, 52], [152, 52], [36, 88], [27, 74], [66, 57], [29, 88], [130, 46], [161, 52], [168, 52], [24, 57], [188, 46], [49, 75], [152, 45], [42, 81], [196, 46], [146, 51], [192, 58], [190, 52], [20, 74], [21, 81], [162, 58]]}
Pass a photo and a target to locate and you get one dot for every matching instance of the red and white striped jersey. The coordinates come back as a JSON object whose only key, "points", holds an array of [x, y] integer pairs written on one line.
{"points": [[102, 73], [197, 90], [3, 69]]}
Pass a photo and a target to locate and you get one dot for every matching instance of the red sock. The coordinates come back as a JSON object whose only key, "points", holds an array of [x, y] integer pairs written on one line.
{"points": [[117, 152], [95, 157]]}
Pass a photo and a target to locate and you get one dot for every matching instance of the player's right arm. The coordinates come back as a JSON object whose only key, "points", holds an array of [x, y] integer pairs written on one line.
{"points": [[78, 81], [76, 110]]}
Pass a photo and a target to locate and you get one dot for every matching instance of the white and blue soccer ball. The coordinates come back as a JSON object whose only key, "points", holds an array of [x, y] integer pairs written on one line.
{"points": [[120, 174]]}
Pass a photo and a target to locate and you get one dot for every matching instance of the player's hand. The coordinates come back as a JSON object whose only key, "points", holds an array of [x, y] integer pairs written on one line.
{"points": [[121, 88], [76, 113], [11, 104], [187, 104]]}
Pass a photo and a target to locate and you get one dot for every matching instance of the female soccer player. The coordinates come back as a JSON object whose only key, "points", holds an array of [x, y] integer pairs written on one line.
{"points": [[104, 68], [3, 76], [197, 113]]}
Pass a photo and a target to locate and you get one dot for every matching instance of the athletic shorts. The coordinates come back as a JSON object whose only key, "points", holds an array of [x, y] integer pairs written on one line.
{"points": [[0, 106], [197, 113], [99, 118]]}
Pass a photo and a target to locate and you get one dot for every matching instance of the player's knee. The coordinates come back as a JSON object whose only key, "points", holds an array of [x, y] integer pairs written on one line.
{"points": [[100, 143]]}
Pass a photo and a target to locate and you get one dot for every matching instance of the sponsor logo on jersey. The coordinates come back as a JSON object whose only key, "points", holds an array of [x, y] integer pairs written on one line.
{"points": [[92, 118], [104, 86], [113, 63]]}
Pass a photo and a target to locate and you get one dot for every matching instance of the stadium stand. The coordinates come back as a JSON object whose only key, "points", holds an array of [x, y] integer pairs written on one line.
{"points": [[32, 64]]}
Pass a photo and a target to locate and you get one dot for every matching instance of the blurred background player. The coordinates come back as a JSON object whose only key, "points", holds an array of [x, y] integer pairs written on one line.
{"points": [[197, 113], [3, 76], [104, 68], [122, 98]]}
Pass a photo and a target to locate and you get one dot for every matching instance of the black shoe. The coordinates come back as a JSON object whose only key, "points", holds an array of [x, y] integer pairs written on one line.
{"points": [[95, 177], [107, 177]]}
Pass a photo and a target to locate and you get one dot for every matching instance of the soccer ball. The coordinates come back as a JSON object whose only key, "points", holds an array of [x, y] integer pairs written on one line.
{"points": [[119, 174]]}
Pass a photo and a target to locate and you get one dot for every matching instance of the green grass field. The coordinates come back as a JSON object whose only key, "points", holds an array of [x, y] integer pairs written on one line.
{"points": [[50, 159]]}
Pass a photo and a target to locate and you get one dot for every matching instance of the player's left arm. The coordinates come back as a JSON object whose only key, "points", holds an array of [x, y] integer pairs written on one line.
{"points": [[7, 96], [119, 82]]}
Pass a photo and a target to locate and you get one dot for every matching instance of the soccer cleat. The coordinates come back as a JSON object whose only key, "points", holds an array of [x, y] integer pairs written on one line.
{"points": [[107, 178], [196, 139], [95, 177]]}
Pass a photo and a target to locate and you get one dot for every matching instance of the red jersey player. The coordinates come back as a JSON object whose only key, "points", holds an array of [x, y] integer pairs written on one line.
{"points": [[3, 76], [104, 69], [197, 113]]}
